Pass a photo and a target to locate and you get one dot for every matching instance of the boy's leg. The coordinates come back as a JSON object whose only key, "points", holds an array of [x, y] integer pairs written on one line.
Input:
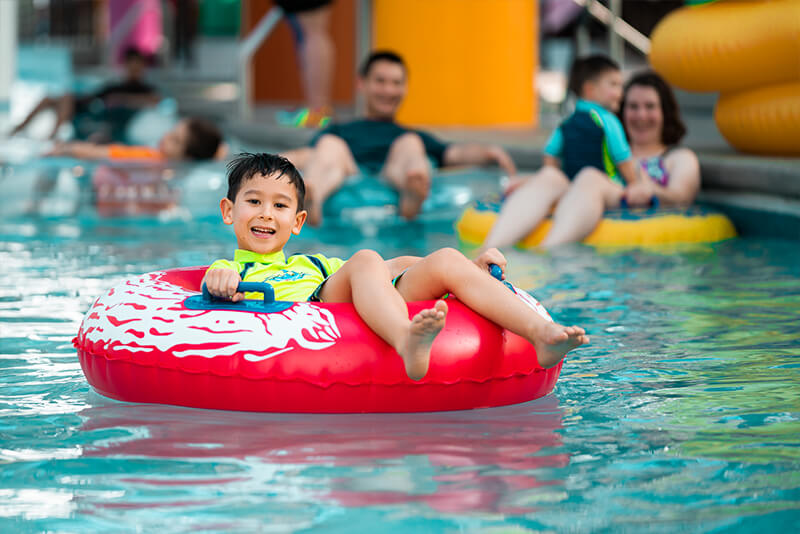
{"points": [[407, 168], [580, 210], [365, 281], [449, 271], [328, 165], [527, 206]]}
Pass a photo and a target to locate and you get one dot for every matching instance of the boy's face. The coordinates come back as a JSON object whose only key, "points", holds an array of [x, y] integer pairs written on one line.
{"points": [[173, 144], [606, 90], [264, 214], [134, 68]]}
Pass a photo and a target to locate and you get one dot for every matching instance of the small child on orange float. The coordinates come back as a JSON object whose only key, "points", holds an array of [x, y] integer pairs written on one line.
{"points": [[264, 204]]}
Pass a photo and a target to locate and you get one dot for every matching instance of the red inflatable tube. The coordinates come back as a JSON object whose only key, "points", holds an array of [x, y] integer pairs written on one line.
{"points": [[143, 341]]}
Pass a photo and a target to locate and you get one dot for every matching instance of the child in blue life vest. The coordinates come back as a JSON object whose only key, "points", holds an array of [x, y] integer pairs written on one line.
{"points": [[589, 143], [265, 206]]}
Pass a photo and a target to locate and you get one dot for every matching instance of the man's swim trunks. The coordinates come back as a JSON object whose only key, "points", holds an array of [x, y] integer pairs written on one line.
{"points": [[370, 140]]}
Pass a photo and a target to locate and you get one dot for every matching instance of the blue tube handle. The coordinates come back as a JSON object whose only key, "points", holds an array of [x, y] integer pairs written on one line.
{"points": [[245, 287], [497, 272]]}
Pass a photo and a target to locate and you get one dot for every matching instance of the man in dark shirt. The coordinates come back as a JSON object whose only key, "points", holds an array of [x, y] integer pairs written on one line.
{"points": [[377, 144], [111, 107]]}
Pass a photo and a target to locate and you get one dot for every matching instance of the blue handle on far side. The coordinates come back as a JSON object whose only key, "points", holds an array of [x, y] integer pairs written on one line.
{"points": [[497, 272]]}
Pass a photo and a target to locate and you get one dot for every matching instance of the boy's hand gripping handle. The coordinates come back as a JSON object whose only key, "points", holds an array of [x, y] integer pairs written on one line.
{"points": [[497, 272], [244, 287]]}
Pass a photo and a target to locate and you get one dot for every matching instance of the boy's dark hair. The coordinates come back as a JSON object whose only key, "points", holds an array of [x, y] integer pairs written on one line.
{"points": [[673, 128], [381, 55], [203, 139], [588, 69], [133, 53], [246, 165]]}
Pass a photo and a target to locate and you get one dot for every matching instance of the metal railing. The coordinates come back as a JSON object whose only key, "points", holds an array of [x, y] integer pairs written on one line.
{"points": [[247, 48], [619, 29]]}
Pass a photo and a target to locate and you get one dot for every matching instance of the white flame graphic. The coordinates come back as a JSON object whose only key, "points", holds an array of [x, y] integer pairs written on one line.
{"points": [[146, 314]]}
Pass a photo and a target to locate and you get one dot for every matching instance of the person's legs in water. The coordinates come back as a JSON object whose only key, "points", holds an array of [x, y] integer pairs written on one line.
{"points": [[63, 105], [365, 281], [317, 57], [449, 271], [328, 165], [407, 168], [527, 206], [582, 207]]}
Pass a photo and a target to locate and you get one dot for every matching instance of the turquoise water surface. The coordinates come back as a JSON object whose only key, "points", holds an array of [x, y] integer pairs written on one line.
{"points": [[681, 416]]}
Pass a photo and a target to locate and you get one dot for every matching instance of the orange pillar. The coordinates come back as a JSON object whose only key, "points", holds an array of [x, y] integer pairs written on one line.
{"points": [[471, 62]]}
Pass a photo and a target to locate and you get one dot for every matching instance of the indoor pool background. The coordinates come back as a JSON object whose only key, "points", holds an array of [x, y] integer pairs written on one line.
{"points": [[681, 416]]}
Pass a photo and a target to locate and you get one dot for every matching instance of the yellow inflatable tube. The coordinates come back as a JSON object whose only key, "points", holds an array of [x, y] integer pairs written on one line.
{"points": [[764, 120], [619, 228], [729, 46], [750, 52]]}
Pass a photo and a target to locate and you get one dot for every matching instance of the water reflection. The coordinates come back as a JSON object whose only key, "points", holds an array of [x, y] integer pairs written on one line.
{"points": [[479, 460]]}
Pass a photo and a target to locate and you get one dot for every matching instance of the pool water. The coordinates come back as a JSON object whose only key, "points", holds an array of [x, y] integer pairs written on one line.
{"points": [[681, 416]]}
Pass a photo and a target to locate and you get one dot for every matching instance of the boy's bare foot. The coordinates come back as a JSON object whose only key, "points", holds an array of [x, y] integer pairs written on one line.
{"points": [[424, 328], [414, 193], [554, 341]]}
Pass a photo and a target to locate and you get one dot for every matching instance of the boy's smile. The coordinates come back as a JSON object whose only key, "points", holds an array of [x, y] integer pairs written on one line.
{"points": [[264, 214]]}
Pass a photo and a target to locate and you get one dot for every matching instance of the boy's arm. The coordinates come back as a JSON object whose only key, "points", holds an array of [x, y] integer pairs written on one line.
{"points": [[80, 150], [552, 161], [628, 171], [477, 154]]}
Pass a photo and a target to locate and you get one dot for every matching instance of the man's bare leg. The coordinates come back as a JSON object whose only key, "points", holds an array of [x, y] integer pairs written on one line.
{"points": [[365, 280], [449, 271], [317, 57], [582, 207], [407, 169], [299, 156], [65, 109], [45, 103], [328, 165], [527, 206]]}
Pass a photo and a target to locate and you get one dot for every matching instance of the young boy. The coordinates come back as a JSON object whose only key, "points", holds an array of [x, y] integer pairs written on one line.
{"points": [[588, 144], [265, 206], [192, 139], [593, 136]]}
